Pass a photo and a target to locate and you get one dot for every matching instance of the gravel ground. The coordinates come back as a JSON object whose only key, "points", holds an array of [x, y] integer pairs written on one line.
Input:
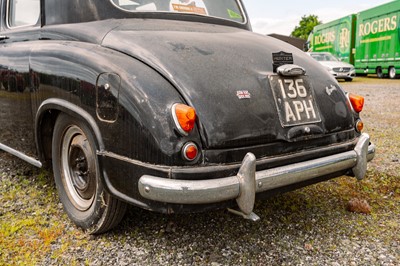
{"points": [[310, 226]]}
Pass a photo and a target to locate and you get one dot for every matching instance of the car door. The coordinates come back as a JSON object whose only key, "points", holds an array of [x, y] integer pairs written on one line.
{"points": [[18, 20]]}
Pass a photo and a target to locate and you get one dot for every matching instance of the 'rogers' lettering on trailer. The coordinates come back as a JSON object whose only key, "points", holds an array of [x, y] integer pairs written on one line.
{"points": [[328, 37], [378, 26]]}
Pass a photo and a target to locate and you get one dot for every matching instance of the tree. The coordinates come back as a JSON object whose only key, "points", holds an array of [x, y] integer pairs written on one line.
{"points": [[307, 24]]}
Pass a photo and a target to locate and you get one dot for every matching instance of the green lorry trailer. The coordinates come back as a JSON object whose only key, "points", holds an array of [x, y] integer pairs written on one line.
{"points": [[370, 40]]}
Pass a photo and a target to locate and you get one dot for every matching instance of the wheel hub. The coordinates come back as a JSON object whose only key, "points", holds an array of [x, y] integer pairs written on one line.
{"points": [[79, 168], [80, 173]]}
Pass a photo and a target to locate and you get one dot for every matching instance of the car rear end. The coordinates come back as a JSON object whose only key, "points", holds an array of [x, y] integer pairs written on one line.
{"points": [[251, 116]]}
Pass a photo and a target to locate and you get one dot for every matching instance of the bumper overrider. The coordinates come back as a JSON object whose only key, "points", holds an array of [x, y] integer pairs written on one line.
{"points": [[244, 186]]}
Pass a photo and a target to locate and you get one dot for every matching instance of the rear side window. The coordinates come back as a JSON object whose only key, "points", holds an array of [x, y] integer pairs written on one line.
{"points": [[23, 12]]}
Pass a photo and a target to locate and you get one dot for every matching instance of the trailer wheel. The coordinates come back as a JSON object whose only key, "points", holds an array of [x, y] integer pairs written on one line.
{"points": [[77, 178], [392, 72], [379, 72]]}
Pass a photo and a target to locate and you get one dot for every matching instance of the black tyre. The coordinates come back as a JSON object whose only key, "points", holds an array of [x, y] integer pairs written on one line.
{"points": [[77, 177], [379, 72], [392, 72]]}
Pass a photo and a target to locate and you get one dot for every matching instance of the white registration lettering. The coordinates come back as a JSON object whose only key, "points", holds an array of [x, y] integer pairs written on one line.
{"points": [[309, 109], [289, 113], [296, 103], [301, 90], [299, 108], [292, 90], [282, 89]]}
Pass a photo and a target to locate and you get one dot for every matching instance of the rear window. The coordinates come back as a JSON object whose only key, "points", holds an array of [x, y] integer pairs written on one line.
{"points": [[226, 9], [23, 12]]}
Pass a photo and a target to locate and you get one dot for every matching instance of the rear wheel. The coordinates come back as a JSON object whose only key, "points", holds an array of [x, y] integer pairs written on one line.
{"points": [[392, 72], [379, 72], [77, 177]]}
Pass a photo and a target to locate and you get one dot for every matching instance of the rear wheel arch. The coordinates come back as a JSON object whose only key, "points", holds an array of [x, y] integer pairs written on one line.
{"points": [[89, 205], [44, 134], [46, 118]]}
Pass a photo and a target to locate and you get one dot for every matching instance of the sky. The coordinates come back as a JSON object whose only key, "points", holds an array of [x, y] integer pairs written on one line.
{"points": [[279, 17]]}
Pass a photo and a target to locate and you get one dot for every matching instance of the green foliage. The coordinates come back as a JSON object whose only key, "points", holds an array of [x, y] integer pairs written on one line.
{"points": [[306, 25], [32, 225]]}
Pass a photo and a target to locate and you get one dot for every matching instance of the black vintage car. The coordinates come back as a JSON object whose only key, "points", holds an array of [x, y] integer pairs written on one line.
{"points": [[169, 105]]}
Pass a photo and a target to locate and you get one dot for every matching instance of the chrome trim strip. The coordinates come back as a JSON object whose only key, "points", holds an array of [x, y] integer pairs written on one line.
{"points": [[222, 189], [70, 109], [21, 155], [171, 170]]}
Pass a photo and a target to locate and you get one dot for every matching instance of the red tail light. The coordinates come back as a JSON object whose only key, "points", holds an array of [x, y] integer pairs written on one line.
{"points": [[184, 117], [190, 151], [357, 102]]}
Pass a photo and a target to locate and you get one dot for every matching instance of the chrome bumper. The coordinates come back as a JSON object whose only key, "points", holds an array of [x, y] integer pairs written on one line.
{"points": [[244, 186]]}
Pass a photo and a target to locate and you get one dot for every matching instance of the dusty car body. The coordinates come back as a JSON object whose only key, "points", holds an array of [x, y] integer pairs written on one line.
{"points": [[173, 107]]}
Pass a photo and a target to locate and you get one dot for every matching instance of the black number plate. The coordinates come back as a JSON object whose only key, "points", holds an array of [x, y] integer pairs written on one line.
{"points": [[294, 100]]}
